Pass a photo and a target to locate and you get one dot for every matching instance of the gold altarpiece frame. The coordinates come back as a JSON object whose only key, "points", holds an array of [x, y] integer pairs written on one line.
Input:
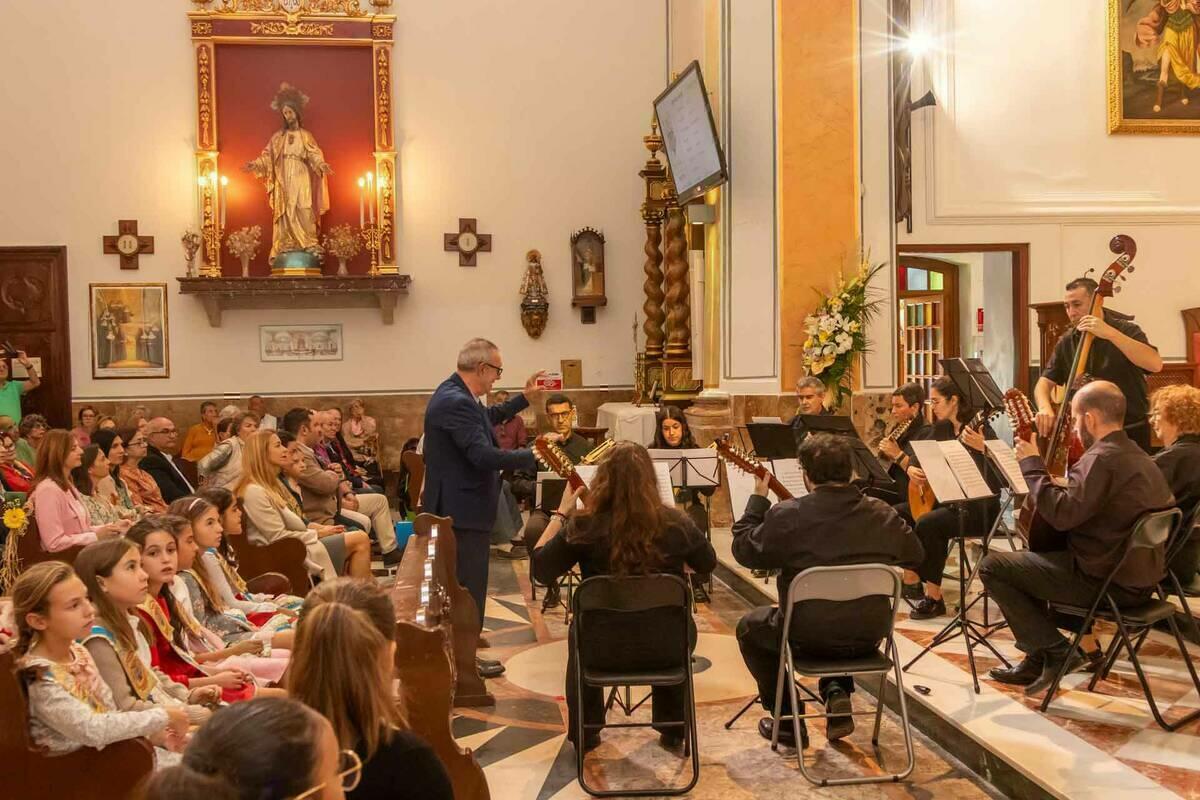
{"points": [[289, 23]]}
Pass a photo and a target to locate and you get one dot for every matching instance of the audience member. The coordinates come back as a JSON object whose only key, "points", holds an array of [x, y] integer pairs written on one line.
{"points": [[116, 584], [161, 439], [11, 390], [32, 428], [1175, 414], [267, 749], [229, 412], [361, 435], [342, 667], [87, 425], [99, 498], [14, 476], [143, 489], [224, 430], [510, 434], [334, 448], [835, 523], [258, 406], [319, 489], [223, 466], [201, 438], [112, 445], [70, 706], [139, 417], [105, 423], [624, 529], [62, 519]]}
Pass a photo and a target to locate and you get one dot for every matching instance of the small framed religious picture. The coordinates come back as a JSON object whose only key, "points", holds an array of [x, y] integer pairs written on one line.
{"points": [[128, 330], [300, 342], [587, 272]]}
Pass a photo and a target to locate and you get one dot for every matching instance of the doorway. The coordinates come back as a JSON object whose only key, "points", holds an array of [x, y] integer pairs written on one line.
{"points": [[34, 318]]}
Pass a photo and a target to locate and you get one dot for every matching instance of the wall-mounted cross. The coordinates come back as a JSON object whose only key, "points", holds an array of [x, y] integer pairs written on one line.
{"points": [[127, 244], [467, 242]]}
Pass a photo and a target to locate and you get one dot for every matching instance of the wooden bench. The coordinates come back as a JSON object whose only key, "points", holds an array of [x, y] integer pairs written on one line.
{"points": [[282, 557], [109, 774], [30, 551]]}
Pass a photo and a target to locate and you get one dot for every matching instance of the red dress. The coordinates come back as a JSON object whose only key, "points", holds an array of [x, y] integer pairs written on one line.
{"points": [[166, 658]]}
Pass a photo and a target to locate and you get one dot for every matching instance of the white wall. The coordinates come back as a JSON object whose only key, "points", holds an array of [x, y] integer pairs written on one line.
{"points": [[527, 116], [1017, 150]]}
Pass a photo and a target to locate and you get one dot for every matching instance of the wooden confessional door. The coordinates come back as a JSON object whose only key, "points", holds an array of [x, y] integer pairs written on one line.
{"points": [[927, 312], [34, 318]]}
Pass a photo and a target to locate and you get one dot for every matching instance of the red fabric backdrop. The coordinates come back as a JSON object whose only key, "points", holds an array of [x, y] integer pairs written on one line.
{"points": [[340, 114]]}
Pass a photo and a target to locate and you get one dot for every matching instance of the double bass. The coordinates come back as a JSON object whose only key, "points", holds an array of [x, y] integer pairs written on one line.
{"points": [[1062, 448]]}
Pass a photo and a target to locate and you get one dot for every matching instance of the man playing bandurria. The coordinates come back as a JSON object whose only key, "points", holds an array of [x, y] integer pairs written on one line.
{"points": [[1110, 487]]}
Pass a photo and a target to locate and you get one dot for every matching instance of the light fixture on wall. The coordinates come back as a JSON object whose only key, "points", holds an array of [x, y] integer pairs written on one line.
{"points": [[918, 43]]}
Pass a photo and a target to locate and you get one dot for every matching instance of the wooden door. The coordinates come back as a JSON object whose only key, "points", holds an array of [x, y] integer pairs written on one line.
{"points": [[34, 318], [927, 313]]}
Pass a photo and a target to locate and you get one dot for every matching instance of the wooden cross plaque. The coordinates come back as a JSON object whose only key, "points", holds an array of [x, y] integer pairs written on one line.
{"points": [[127, 244]]}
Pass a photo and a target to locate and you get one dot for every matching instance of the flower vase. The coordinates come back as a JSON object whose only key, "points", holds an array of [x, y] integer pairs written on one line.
{"points": [[342, 267], [245, 266]]}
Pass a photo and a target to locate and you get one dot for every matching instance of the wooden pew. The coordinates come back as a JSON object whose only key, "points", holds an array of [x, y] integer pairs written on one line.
{"points": [[282, 557], [30, 552], [109, 774], [437, 630]]}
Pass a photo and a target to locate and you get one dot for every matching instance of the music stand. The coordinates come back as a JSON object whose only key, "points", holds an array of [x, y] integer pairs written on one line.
{"points": [[866, 465], [975, 382], [772, 439]]}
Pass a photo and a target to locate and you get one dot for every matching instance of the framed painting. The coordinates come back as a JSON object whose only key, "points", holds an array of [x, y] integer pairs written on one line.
{"points": [[128, 330], [1153, 74], [300, 342]]}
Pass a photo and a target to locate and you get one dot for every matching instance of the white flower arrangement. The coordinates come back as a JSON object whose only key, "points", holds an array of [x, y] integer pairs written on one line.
{"points": [[837, 330]]}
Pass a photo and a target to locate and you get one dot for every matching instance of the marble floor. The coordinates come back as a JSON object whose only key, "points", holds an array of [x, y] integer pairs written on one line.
{"points": [[1098, 744], [521, 744]]}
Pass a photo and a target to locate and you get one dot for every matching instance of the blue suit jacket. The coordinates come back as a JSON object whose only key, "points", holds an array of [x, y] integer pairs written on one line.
{"points": [[463, 460]]}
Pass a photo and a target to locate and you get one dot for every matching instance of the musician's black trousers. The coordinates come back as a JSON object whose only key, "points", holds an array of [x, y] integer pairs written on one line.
{"points": [[474, 550], [1022, 584], [759, 636], [938, 528]]}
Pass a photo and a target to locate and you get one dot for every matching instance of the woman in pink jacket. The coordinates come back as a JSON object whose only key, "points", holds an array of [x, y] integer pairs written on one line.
{"points": [[62, 521]]}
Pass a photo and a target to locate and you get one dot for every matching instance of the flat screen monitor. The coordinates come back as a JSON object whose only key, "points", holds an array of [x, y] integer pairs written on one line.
{"points": [[689, 133]]}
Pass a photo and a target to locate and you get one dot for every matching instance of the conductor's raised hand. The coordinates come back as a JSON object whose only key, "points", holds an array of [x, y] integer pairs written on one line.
{"points": [[532, 392]]}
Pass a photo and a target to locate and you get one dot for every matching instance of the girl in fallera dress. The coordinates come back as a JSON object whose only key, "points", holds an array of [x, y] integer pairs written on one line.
{"points": [[119, 642], [70, 706], [207, 605], [166, 623], [221, 567]]}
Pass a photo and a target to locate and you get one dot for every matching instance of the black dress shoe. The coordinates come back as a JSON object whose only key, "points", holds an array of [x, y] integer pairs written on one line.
{"points": [[1093, 660], [1074, 659], [489, 669], [787, 737], [928, 609], [393, 558], [515, 553], [1022, 674], [838, 702], [914, 592]]}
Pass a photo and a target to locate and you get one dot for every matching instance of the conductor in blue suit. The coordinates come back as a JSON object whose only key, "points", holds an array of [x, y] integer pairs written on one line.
{"points": [[463, 460]]}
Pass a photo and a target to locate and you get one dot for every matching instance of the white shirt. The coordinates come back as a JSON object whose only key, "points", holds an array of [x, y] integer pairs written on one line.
{"points": [[268, 422]]}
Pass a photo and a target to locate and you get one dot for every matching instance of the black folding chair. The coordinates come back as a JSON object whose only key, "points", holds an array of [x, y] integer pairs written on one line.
{"points": [[614, 618], [841, 584], [1155, 529]]}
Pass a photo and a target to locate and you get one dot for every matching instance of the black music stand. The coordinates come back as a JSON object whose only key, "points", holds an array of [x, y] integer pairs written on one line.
{"points": [[975, 382], [772, 440], [866, 466]]}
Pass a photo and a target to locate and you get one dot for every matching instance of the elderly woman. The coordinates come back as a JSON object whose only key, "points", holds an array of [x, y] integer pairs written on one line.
{"points": [[1175, 414], [361, 435], [33, 429]]}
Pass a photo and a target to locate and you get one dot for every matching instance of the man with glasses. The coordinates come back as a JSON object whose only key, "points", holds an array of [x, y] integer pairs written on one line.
{"points": [[463, 461], [161, 438]]}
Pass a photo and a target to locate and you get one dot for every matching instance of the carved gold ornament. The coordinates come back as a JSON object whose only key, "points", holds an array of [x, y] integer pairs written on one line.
{"points": [[292, 28], [341, 8]]}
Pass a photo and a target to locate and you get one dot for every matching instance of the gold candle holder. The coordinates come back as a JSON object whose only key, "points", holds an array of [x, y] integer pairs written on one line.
{"points": [[372, 235]]}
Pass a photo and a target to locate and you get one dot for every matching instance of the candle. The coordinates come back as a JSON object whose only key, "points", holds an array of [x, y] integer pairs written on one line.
{"points": [[371, 197], [362, 195], [224, 195], [203, 182]]}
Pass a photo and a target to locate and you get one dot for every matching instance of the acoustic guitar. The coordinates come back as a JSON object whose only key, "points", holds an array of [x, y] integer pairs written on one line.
{"points": [[920, 496], [1037, 533], [731, 454], [555, 459]]}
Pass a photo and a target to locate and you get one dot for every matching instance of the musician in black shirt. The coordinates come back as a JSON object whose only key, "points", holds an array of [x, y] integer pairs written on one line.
{"points": [[937, 528], [810, 392], [908, 408], [1120, 353]]}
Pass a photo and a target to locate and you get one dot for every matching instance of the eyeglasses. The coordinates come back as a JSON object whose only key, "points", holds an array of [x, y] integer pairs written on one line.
{"points": [[560, 414], [499, 370], [349, 772]]}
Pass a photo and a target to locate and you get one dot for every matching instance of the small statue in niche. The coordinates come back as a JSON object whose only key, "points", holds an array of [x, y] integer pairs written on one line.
{"points": [[191, 243], [535, 297], [587, 273]]}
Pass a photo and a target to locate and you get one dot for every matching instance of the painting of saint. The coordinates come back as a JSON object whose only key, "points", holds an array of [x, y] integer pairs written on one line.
{"points": [[129, 330], [587, 257], [1153, 69]]}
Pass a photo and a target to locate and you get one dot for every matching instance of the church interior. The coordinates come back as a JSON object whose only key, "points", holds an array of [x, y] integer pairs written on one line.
{"points": [[745, 399]]}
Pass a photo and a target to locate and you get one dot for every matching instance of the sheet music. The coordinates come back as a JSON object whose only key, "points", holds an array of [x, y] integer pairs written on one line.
{"points": [[767, 420], [790, 474], [965, 471], [663, 473], [701, 463], [932, 461], [1006, 459]]}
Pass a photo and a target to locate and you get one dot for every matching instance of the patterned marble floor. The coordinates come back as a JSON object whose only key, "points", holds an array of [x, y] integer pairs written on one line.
{"points": [[1090, 744], [521, 743]]}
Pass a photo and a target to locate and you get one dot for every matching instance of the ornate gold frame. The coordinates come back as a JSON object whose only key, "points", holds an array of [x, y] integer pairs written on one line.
{"points": [[292, 22], [1116, 122]]}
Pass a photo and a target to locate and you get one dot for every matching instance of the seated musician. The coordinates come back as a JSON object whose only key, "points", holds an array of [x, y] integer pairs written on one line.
{"points": [[672, 433], [1120, 353], [810, 392], [834, 524], [623, 529], [560, 409], [1110, 487], [1175, 413], [938, 528], [908, 409]]}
